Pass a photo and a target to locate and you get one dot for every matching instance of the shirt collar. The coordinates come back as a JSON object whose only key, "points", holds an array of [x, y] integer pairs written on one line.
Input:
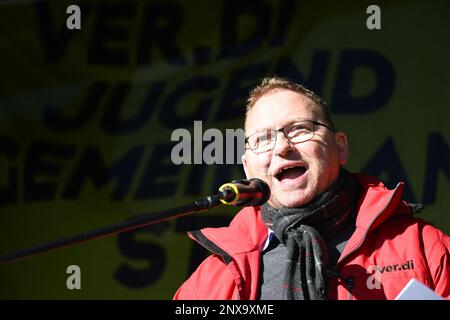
{"points": [[270, 235]]}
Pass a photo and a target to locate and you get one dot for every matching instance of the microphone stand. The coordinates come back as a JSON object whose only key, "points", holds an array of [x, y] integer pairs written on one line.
{"points": [[206, 203]]}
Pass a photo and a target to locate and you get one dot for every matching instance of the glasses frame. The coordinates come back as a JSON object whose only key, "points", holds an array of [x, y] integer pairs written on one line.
{"points": [[315, 123]]}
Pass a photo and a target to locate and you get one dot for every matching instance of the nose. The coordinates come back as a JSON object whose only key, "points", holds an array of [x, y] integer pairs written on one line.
{"points": [[282, 144]]}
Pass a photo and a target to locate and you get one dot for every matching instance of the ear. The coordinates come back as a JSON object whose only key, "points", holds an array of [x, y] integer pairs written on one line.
{"points": [[342, 145]]}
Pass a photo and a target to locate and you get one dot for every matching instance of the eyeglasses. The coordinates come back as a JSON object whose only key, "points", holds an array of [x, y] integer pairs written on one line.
{"points": [[264, 140]]}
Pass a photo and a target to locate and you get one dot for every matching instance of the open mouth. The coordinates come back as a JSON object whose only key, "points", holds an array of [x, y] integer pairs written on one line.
{"points": [[290, 173]]}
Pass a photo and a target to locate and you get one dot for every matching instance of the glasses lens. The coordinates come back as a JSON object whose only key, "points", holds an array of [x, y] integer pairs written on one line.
{"points": [[262, 140], [300, 131]]}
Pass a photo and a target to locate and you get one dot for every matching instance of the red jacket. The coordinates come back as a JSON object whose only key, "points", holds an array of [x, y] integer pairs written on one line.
{"points": [[388, 248]]}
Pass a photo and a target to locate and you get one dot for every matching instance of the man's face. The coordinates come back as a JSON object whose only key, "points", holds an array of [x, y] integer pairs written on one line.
{"points": [[315, 163]]}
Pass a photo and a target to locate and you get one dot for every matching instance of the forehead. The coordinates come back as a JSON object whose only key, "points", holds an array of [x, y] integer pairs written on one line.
{"points": [[278, 107]]}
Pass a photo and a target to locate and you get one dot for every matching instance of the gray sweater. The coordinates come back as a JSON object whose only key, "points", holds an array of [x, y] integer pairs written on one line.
{"points": [[274, 256]]}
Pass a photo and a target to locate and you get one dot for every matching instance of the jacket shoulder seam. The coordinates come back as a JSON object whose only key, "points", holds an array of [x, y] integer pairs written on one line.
{"points": [[211, 246]]}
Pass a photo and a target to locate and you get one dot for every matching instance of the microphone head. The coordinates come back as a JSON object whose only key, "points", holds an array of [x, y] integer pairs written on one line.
{"points": [[263, 187], [242, 193]]}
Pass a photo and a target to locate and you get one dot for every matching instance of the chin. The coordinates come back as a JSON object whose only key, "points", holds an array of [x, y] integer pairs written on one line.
{"points": [[295, 204], [293, 201]]}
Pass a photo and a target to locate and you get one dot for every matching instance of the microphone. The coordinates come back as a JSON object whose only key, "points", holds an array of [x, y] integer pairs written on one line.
{"points": [[243, 193], [253, 192]]}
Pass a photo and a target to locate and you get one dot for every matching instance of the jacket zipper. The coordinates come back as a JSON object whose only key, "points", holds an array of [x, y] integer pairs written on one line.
{"points": [[350, 281]]}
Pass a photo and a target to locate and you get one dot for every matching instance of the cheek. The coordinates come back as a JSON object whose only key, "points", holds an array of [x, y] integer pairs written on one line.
{"points": [[327, 167], [322, 159], [257, 166]]}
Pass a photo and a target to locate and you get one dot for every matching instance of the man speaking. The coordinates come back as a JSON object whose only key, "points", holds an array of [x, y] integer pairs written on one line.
{"points": [[324, 233]]}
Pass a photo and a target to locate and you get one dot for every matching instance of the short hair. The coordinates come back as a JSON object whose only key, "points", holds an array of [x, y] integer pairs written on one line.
{"points": [[272, 83]]}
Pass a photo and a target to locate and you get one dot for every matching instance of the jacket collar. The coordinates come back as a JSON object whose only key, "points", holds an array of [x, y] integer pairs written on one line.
{"points": [[375, 205]]}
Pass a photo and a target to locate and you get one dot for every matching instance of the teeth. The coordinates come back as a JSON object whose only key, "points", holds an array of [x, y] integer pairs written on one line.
{"points": [[288, 167], [293, 166]]}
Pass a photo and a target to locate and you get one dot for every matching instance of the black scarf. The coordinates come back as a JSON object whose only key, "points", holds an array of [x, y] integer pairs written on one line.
{"points": [[301, 230]]}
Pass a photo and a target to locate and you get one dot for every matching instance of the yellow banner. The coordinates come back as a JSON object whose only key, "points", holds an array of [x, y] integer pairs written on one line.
{"points": [[92, 91]]}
